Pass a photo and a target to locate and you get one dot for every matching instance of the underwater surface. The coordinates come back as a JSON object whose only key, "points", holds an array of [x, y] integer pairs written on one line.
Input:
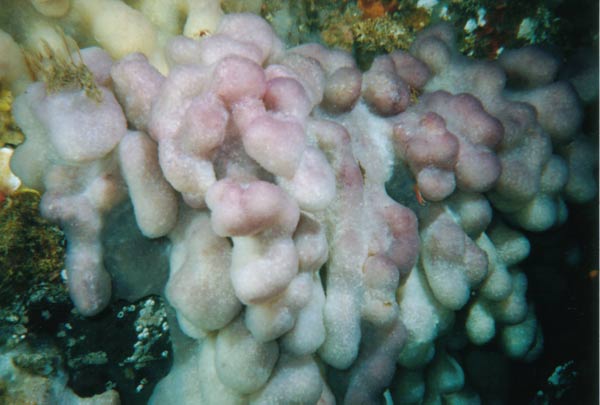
{"points": [[200, 206]]}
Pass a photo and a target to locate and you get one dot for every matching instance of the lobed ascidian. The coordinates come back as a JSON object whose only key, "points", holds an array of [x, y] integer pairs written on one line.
{"points": [[302, 266]]}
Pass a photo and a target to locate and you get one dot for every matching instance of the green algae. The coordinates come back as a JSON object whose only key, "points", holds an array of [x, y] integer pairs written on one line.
{"points": [[31, 249]]}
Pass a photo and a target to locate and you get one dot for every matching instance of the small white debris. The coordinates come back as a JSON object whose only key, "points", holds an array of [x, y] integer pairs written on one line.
{"points": [[444, 12], [9, 183], [481, 17], [427, 4], [562, 373], [527, 29], [471, 25]]}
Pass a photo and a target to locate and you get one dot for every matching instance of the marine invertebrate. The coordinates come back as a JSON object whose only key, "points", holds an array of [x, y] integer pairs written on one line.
{"points": [[367, 33], [376, 8], [283, 180], [62, 69], [9, 132]]}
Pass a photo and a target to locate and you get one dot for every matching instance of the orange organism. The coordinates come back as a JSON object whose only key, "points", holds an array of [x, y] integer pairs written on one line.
{"points": [[376, 8], [422, 202]]}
